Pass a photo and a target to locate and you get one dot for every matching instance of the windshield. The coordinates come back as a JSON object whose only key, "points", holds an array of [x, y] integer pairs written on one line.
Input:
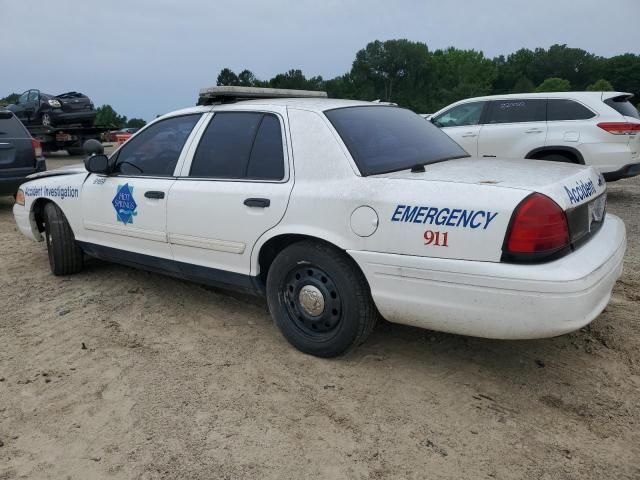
{"points": [[383, 139]]}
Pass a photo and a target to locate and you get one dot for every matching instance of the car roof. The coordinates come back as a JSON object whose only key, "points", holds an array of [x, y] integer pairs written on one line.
{"points": [[313, 104], [577, 95]]}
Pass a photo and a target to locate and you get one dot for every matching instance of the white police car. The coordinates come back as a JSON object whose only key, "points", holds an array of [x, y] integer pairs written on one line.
{"points": [[338, 210]]}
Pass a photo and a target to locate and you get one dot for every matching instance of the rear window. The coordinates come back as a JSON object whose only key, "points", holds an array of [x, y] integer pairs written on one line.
{"points": [[11, 127], [561, 109], [517, 111], [383, 139], [623, 106]]}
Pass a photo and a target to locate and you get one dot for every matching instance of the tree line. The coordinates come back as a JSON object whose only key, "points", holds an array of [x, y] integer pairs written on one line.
{"points": [[410, 74]]}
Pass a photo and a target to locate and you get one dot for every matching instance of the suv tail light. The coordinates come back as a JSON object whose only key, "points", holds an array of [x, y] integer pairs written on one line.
{"points": [[538, 231], [37, 148], [620, 128]]}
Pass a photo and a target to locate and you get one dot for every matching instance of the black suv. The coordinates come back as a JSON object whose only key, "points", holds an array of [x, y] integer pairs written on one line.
{"points": [[37, 108], [20, 155]]}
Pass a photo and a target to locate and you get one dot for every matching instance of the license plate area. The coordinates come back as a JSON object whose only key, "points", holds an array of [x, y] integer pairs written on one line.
{"points": [[586, 219]]}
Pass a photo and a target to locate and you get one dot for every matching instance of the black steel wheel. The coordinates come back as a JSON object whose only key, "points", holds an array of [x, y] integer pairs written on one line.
{"points": [[319, 299]]}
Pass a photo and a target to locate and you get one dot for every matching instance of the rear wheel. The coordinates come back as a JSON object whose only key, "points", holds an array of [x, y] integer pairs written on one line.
{"points": [[65, 255], [319, 299], [556, 157], [45, 120]]}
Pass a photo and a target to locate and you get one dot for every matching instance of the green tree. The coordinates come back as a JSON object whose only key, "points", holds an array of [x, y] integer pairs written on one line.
{"points": [[623, 71], [554, 84], [227, 77], [601, 85], [107, 116], [9, 99], [246, 78], [136, 123], [523, 85]]}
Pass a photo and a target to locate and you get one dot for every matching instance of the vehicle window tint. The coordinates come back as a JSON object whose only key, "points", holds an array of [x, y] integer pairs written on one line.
{"points": [[11, 127], [384, 139], [24, 97], [561, 109], [33, 96], [156, 150], [240, 145], [467, 114], [623, 106], [517, 110], [267, 158]]}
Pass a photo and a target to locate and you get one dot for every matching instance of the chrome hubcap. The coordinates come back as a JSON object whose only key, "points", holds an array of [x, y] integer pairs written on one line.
{"points": [[311, 300]]}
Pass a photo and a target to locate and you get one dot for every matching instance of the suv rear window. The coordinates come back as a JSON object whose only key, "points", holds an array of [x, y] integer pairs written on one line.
{"points": [[623, 106], [11, 127], [562, 109], [517, 110], [383, 139]]}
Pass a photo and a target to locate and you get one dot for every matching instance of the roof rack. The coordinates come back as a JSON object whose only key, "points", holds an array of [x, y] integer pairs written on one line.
{"points": [[229, 94]]}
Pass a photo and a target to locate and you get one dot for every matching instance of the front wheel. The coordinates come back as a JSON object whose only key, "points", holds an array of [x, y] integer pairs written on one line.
{"points": [[319, 299], [65, 255]]}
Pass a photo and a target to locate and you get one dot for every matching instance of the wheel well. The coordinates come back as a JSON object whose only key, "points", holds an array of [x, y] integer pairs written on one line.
{"points": [[275, 245], [38, 212], [568, 152]]}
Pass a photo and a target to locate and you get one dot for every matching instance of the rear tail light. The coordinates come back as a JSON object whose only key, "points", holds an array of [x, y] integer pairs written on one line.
{"points": [[620, 128], [37, 148], [538, 231]]}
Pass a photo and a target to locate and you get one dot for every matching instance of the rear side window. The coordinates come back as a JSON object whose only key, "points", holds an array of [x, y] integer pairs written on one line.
{"points": [[561, 109], [240, 145], [155, 151], [517, 111], [623, 106], [384, 139], [11, 127]]}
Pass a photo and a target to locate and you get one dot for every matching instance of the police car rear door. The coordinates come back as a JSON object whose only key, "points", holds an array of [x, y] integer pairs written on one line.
{"points": [[235, 185]]}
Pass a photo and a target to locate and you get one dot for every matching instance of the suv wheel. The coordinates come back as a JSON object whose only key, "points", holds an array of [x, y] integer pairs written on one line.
{"points": [[556, 157], [65, 256], [319, 299]]}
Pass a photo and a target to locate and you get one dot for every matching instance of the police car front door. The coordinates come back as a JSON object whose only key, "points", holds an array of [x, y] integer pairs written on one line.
{"points": [[236, 187], [128, 209]]}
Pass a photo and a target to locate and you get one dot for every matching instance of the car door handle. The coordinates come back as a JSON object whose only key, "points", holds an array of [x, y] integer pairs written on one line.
{"points": [[533, 130], [257, 202], [154, 194], [469, 134]]}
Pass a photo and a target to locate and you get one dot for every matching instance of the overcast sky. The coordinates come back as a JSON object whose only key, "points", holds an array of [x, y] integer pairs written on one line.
{"points": [[146, 57]]}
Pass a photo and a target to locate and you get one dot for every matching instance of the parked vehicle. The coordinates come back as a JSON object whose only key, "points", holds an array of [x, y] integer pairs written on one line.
{"points": [[37, 108], [121, 135], [337, 210], [20, 155], [599, 129]]}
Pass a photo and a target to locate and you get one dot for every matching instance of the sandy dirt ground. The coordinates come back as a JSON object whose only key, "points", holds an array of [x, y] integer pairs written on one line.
{"points": [[121, 374]]}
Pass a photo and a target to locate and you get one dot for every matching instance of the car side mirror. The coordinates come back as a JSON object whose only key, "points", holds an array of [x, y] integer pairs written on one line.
{"points": [[97, 164], [92, 147]]}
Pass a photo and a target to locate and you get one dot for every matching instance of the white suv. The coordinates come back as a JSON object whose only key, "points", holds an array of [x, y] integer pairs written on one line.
{"points": [[600, 129]]}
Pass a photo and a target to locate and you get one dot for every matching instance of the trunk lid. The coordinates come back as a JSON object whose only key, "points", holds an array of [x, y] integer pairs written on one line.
{"points": [[567, 184]]}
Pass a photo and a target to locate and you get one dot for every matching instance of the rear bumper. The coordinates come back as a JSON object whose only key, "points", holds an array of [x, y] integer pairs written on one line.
{"points": [[10, 185], [627, 171], [498, 300]]}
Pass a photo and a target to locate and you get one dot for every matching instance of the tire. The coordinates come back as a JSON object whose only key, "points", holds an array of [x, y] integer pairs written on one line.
{"points": [[65, 255], [556, 157], [338, 312], [45, 120]]}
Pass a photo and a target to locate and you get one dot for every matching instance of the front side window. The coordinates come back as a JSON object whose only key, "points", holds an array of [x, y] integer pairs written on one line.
{"points": [[461, 115], [155, 151], [24, 98], [561, 109], [517, 111], [240, 145], [33, 95], [383, 139]]}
